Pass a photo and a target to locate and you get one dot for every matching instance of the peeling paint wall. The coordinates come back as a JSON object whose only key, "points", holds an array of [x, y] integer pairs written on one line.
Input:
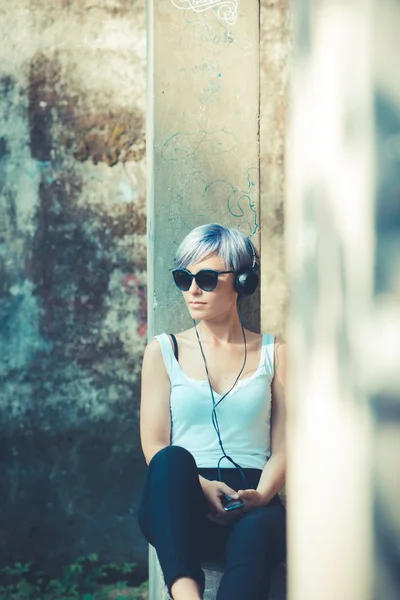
{"points": [[72, 277]]}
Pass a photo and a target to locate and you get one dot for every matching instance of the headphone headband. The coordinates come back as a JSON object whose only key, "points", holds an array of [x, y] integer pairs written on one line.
{"points": [[254, 264]]}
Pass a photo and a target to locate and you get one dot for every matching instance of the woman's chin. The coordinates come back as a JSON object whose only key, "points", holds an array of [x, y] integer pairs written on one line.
{"points": [[197, 312]]}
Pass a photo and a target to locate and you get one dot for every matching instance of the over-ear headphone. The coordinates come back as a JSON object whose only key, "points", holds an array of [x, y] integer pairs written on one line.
{"points": [[246, 280]]}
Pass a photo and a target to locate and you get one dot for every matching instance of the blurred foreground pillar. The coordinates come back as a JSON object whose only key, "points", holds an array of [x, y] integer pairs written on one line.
{"points": [[343, 247]]}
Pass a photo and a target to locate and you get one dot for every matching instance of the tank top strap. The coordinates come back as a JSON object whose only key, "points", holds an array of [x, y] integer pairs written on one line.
{"points": [[170, 361], [268, 353]]}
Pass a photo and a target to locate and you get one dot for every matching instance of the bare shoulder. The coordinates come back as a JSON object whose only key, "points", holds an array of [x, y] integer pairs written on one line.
{"points": [[279, 342], [153, 349], [279, 347], [153, 362], [153, 354]]}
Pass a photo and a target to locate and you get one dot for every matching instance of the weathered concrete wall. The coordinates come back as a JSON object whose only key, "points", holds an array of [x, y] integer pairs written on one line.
{"points": [[73, 274]]}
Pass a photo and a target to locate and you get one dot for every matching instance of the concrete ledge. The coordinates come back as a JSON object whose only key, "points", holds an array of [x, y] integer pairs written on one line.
{"points": [[213, 574]]}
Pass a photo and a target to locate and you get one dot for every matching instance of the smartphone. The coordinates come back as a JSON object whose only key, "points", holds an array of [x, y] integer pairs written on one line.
{"points": [[229, 503]]}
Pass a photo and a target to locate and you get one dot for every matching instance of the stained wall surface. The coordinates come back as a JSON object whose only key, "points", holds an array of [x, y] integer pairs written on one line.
{"points": [[73, 277]]}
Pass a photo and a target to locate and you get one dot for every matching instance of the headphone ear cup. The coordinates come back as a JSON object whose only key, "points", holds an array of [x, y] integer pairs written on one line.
{"points": [[246, 282]]}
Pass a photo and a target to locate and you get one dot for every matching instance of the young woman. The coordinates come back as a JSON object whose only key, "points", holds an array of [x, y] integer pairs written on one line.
{"points": [[213, 429]]}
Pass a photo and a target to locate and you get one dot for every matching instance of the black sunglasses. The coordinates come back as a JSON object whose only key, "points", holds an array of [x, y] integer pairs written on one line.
{"points": [[206, 279]]}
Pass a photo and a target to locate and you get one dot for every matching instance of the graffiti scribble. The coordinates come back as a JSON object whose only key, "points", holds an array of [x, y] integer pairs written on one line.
{"points": [[182, 145], [226, 9]]}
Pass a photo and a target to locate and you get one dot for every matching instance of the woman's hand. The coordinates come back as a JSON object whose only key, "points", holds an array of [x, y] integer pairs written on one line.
{"points": [[214, 492], [251, 499]]}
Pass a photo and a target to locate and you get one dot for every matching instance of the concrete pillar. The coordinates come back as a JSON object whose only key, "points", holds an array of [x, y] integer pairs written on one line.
{"points": [[203, 147], [202, 140], [344, 263]]}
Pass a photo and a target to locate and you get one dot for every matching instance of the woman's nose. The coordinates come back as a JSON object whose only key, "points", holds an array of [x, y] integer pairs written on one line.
{"points": [[194, 288]]}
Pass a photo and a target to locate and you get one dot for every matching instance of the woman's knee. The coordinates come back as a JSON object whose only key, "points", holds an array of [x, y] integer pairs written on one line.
{"points": [[172, 455], [170, 466]]}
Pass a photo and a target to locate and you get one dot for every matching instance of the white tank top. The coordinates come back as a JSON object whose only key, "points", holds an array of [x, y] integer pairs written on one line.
{"points": [[243, 416]]}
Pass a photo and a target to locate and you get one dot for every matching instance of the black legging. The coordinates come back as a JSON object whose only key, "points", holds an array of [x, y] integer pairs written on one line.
{"points": [[173, 518]]}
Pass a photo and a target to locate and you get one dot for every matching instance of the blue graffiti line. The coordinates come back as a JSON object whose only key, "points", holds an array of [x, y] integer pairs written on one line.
{"points": [[207, 94], [238, 198], [182, 145]]}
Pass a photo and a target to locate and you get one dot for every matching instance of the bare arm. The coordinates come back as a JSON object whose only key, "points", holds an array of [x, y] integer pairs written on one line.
{"points": [[155, 419], [273, 476]]}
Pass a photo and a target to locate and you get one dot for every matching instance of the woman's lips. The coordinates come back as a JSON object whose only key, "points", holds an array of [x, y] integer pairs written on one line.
{"points": [[194, 303]]}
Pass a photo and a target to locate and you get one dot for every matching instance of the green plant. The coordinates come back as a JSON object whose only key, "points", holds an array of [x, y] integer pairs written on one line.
{"points": [[85, 579]]}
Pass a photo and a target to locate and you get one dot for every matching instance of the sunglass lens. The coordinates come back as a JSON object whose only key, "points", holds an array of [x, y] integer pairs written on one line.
{"points": [[207, 280], [182, 279]]}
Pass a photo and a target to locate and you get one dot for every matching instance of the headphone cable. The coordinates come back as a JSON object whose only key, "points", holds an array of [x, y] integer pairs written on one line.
{"points": [[214, 417]]}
